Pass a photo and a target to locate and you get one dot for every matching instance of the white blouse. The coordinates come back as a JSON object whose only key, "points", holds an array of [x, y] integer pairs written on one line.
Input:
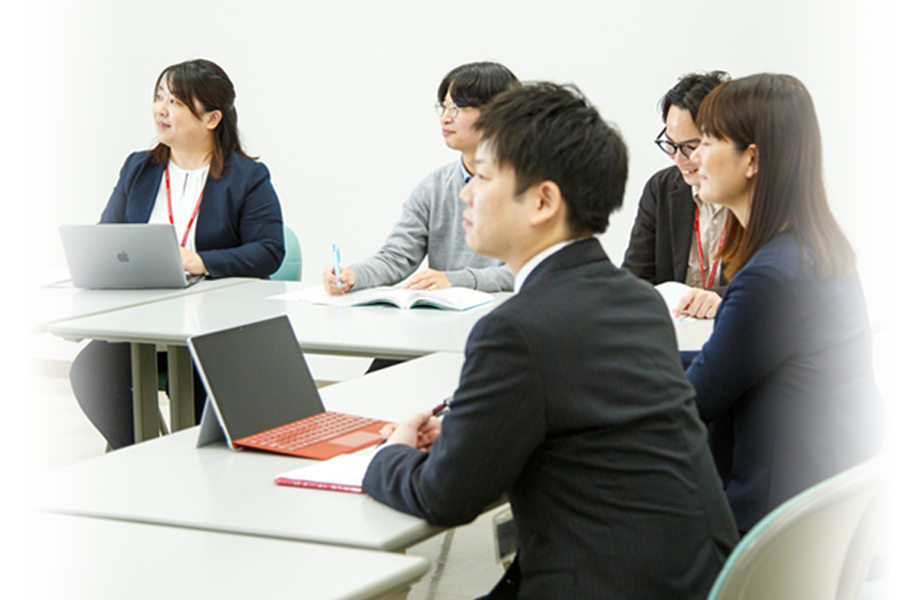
{"points": [[186, 190]]}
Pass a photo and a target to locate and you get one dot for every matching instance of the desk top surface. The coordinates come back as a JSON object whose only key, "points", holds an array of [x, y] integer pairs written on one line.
{"points": [[107, 559], [374, 331], [53, 303], [170, 481]]}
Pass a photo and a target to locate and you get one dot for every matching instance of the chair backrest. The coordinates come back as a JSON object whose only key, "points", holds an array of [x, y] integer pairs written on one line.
{"points": [[875, 526], [292, 265], [883, 542], [816, 546]]}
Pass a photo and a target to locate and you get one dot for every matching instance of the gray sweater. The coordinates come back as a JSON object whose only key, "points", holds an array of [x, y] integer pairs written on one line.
{"points": [[430, 225]]}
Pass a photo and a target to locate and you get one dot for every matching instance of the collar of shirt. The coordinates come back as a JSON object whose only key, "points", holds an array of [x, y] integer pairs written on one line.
{"points": [[464, 172], [703, 204], [532, 264]]}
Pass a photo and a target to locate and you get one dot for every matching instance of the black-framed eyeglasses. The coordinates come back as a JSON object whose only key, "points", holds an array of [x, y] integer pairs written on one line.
{"points": [[442, 109], [669, 148]]}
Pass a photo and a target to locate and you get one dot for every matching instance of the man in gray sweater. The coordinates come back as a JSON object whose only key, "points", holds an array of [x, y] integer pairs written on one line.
{"points": [[430, 223]]}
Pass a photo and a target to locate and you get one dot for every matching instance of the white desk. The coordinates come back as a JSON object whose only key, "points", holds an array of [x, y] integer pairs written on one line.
{"points": [[376, 331], [77, 557], [54, 303], [169, 481], [352, 331], [691, 334]]}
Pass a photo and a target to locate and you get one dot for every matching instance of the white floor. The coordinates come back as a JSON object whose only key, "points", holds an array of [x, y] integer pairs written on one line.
{"points": [[462, 560]]}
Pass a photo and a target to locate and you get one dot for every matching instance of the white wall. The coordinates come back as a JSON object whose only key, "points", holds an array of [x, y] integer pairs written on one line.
{"points": [[336, 97]]}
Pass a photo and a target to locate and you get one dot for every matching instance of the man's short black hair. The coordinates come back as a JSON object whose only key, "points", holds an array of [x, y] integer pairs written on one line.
{"points": [[690, 90], [475, 84], [550, 132]]}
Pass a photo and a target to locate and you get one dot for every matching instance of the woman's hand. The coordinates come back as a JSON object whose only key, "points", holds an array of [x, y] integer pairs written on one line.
{"points": [[192, 262], [698, 303]]}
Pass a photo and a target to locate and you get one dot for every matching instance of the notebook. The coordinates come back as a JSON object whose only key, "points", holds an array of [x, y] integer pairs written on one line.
{"points": [[262, 395], [124, 256], [338, 474], [454, 298]]}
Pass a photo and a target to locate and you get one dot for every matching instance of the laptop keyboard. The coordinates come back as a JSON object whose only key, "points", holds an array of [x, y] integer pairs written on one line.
{"points": [[306, 432]]}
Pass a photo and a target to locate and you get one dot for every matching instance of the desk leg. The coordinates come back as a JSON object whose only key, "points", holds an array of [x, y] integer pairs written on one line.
{"points": [[180, 387], [145, 391]]}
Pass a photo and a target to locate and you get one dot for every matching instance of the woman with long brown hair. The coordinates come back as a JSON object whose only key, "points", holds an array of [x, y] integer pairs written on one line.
{"points": [[785, 381]]}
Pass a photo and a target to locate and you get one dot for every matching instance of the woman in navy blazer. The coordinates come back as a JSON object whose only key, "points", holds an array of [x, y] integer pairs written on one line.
{"points": [[785, 382], [221, 202]]}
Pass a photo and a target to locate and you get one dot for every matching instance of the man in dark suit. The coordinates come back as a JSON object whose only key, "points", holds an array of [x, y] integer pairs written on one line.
{"points": [[676, 233], [572, 399]]}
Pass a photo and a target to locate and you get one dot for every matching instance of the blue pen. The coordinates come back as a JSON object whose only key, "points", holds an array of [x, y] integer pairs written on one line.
{"points": [[336, 260]]}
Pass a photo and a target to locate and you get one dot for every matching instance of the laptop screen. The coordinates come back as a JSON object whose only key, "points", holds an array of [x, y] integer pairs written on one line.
{"points": [[257, 376]]}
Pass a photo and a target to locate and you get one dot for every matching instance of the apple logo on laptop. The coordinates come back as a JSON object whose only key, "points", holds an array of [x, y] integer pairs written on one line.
{"points": [[123, 257]]}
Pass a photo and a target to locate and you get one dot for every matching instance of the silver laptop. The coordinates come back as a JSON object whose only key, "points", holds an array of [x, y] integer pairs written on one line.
{"points": [[124, 256]]}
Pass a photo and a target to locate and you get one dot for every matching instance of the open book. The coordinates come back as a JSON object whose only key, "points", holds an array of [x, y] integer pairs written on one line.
{"points": [[342, 473], [455, 298]]}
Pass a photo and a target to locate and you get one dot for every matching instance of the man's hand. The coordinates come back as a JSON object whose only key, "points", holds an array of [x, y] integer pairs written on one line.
{"points": [[330, 281], [417, 431], [428, 279]]}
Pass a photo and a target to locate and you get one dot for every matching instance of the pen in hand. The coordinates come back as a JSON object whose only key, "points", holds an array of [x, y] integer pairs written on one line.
{"points": [[442, 408], [438, 411], [336, 261]]}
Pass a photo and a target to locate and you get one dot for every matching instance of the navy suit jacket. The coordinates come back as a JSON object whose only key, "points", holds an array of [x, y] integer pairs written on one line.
{"points": [[239, 229], [786, 381], [573, 401], [659, 245]]}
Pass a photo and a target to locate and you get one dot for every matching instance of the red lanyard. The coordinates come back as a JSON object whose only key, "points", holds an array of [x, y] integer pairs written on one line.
{"points": [[701, 257], [170, 211]]}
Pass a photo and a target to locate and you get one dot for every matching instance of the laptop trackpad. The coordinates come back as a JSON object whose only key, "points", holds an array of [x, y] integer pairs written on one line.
{"points": [[357, 438]]}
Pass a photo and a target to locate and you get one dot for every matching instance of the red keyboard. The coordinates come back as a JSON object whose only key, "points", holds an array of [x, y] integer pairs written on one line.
{"points": [[306, 432]]}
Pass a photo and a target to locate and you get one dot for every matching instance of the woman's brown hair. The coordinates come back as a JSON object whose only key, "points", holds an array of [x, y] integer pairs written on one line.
{"points": [[203, 81], [776, 114]]}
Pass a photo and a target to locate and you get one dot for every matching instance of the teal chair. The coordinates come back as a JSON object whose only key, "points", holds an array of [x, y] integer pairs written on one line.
{"points": [[816, 546], [292, 265]]}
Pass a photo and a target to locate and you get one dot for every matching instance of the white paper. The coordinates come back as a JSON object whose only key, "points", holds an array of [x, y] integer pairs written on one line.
{"points": [[672, 292], [344, 469]]}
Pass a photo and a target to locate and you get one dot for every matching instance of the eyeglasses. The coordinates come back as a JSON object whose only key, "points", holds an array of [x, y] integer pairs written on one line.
{"points": [[442, 109], [669, 148]]}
